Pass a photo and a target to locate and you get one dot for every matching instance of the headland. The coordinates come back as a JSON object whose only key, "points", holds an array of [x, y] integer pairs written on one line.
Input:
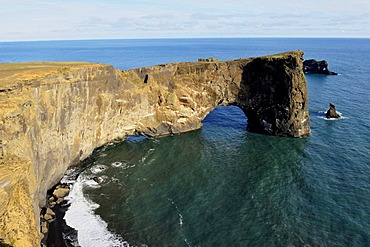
{"points": [[53, 115]]}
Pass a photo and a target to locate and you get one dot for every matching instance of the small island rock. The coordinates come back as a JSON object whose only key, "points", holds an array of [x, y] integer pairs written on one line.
{"points": [[332, 113], [317, 67]]}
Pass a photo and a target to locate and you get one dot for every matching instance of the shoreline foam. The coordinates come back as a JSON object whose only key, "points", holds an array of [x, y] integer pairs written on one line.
{"points": [[81, 211]]}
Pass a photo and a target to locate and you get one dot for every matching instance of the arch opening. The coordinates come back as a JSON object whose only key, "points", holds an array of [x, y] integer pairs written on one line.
{"points": [[227, 116]]}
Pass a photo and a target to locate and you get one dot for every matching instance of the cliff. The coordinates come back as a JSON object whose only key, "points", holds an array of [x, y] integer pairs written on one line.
{"points": [[53, 115]]}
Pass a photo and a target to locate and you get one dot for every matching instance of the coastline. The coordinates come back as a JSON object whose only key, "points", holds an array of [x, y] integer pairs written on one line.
{"points": [[60, 234], [53, 119], [54, 229]]}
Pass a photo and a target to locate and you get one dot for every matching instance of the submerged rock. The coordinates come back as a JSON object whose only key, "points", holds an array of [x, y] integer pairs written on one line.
{"points": [[317, 67], [98, 180], [332, 113]]}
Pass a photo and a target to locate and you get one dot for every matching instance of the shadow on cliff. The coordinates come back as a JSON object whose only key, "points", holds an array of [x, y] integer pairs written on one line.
{"points": [[273, 96]]}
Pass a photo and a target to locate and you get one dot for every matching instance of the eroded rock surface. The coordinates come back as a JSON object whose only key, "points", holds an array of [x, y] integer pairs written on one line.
{"points": [[53, 115], [317, 67]]}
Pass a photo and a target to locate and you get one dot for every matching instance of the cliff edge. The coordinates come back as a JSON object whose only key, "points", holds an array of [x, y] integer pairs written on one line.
{"points": [[53, 115]]}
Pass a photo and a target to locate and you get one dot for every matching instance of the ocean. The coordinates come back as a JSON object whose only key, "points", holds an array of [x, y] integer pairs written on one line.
{"points": [[222, 185]]}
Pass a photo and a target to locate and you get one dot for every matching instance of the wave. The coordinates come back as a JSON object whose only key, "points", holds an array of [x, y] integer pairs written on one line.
{"points": [[321, 114], [181, 222], [124, 165], [98, 169], [92, 230], [148, 153]]}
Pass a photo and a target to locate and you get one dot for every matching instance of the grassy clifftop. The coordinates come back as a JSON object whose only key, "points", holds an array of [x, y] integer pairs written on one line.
{"points": [[12, 72]]}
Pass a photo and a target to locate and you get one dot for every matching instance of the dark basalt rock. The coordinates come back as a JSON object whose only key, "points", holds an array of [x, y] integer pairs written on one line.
{"points": [[332, 113], [317, 67], [98, 180], [273, 96]]}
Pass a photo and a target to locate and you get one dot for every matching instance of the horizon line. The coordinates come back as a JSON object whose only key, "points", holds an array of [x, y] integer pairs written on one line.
{"points": [[174, 38]]}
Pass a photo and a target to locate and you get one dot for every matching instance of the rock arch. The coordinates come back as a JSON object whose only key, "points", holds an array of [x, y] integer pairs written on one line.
{"points": [[53, 115], [270, 90]]}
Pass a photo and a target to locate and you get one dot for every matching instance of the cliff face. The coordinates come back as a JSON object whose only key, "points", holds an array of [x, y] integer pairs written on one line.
{"points": [[53, 115]]}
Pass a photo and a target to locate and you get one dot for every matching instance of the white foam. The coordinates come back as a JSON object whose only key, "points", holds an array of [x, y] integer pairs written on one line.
{"points": [[181, 222], [122, 165], [117, 164], [92, 230], [98, 169], [91, 183], [70, 175], [322, 116], [149, 152]]}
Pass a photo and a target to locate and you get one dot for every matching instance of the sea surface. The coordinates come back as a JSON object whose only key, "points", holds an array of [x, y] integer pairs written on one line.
{"points": [[221, 185]]}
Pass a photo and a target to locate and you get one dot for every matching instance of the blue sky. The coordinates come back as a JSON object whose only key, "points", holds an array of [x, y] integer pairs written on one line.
{"points": [[93, 19]]}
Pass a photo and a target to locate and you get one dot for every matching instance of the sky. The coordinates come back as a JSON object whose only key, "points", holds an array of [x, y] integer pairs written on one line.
{"points": [[23, 20]]}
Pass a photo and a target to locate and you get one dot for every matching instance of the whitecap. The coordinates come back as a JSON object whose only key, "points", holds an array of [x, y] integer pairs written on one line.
{"points": [[123, 165], [92, 230], [181, 222], [98, 169], [116, 164], [91, 183]]}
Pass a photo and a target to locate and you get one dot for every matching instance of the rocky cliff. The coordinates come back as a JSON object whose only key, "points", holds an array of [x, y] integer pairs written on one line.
{"points": [[53, 115]]}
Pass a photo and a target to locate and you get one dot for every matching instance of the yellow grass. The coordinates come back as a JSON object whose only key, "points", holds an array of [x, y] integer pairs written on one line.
{"points": [[11, 72]]}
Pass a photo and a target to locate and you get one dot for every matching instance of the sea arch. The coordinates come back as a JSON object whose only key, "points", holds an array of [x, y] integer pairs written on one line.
{"points": [[271, 91], [53, 115]]}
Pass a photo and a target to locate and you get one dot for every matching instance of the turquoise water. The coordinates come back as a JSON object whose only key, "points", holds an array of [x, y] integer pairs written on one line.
{"points": [[223, 186]]}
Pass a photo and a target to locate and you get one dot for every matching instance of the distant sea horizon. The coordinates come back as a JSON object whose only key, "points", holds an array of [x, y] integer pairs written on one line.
{"points": [[176, 38]]}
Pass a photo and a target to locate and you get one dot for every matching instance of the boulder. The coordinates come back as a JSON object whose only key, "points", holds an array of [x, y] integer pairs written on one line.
{"points": [[61, 192], [50, 212], [60, 200], [332, 113], [317, 67], [48, 217]]}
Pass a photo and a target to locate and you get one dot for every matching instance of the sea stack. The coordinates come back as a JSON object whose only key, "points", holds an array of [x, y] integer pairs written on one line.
{"points": [[317, 67], [332, 113]]}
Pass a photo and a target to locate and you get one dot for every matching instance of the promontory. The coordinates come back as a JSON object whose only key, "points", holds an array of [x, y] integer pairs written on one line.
{"points": [[53, 115]]}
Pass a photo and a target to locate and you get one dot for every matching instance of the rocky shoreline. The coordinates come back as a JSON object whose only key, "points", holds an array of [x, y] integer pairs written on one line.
{"points": [[54, 230], [53, 115]]}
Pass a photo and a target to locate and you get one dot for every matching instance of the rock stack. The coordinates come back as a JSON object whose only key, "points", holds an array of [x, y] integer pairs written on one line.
{"points": [[332, 113], [317, 67]]}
